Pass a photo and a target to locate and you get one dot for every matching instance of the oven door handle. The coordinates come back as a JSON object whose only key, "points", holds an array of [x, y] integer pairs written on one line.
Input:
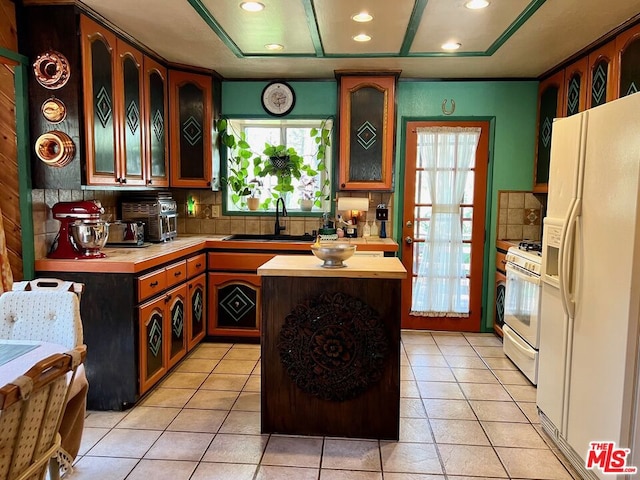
{"points": [[527, 277]]}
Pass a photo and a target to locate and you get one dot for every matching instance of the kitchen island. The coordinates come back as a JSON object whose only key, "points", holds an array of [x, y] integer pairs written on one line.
{"points": [[331, 347]]}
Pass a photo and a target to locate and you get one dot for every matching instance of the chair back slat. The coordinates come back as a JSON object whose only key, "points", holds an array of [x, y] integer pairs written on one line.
{"points": [[29, 423]]}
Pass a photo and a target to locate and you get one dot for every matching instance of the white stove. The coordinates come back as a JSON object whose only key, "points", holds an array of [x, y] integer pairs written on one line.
{"points": [[522, 309]]}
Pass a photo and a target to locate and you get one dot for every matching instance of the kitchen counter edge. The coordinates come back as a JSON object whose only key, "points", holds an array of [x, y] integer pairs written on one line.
{"points": [[135, 260]]}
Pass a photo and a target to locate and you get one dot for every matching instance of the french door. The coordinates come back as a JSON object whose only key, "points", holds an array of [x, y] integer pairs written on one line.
{"points": [[443, 224]]}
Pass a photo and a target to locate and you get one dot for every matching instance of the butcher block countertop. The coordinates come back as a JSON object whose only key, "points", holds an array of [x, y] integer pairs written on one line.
{"points": [[135, 260], [310, 266]]}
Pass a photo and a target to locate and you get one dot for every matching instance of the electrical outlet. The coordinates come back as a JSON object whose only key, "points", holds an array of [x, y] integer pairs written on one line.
{"points": [[215, 211]]}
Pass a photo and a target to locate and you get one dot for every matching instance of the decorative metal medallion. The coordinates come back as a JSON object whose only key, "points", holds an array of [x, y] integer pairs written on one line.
{"points": [[52, 70], [55, 148], [54, 110], [333, 346]]}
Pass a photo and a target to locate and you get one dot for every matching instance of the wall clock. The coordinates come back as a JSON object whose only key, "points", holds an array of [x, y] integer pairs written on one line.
{"points": [[278, 99]]}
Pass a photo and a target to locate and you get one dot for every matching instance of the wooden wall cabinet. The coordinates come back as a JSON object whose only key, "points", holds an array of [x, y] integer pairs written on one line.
{"points": [[156, 135], [575, 87], [628, 59], [125, 132], [550, 102], [191, 125], [601, 85], [115, 103], [367, 131]]}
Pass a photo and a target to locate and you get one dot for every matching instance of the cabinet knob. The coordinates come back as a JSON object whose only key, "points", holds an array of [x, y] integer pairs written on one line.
{"points": [[124, 180], [343, 185], [177, 274], [149, 181], [198, 265], [153, 284]]}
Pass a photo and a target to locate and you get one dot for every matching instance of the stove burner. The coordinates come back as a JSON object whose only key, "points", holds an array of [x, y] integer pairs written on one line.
{"points": [[530, 246]]}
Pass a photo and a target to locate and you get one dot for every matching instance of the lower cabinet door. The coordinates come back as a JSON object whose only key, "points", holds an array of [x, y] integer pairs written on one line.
{"points": [[152, 360], [234, 304], [498, 319], [197, 310], [175, 322]]}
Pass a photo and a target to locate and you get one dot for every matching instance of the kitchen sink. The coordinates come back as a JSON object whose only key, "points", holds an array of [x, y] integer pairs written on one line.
{"points": [[250, 237]]}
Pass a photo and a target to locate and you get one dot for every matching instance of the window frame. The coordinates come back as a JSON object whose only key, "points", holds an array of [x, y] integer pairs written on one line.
{"points": [[289, 122]]}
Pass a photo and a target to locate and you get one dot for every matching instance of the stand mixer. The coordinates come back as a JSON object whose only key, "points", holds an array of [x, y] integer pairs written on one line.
{"points": [[82, 234]]}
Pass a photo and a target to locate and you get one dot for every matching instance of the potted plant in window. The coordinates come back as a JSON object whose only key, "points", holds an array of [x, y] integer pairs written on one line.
{"points": [[279, 161], [308, 192], [253, 201]]}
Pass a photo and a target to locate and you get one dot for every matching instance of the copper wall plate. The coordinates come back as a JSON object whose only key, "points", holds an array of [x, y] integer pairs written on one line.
{"points": [[52, 70], [54, 110], [55, 148]]}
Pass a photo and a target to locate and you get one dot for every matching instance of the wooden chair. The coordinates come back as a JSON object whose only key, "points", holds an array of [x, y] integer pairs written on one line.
{"points": [[48, 310], [30, 413]]}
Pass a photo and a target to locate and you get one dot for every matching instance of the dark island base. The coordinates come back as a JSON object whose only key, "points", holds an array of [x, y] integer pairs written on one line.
{"points": [[286, 408]]}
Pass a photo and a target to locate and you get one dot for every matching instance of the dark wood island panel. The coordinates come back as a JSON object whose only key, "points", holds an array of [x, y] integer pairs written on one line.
{"points": [[374, 412]]}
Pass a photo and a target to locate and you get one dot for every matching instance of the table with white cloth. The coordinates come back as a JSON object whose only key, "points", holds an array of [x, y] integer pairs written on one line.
{"points": [[18, 356]]}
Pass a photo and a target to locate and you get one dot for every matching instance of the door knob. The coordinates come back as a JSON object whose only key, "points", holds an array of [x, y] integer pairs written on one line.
{"points": [[408, 240]]}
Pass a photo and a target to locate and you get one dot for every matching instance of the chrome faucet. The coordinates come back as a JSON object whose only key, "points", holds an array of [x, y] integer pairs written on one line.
{"points": [[278, 228]]}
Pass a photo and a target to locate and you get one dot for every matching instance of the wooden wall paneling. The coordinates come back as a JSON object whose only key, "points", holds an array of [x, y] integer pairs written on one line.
{"points": [[9, 180], [8, 29]]}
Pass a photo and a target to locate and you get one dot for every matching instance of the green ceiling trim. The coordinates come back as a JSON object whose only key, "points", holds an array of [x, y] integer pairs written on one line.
{"points": [[412, 28], [515, 26], [312, 22], [405, 49], [205, 14]]}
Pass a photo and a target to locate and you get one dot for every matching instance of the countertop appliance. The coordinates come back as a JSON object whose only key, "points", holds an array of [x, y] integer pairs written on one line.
{"points": [[157, 210], [123, 233], [521, 330], [588, 388], [82, 234]]}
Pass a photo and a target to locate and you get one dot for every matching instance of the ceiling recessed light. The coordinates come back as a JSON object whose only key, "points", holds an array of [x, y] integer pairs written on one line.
{"points": [[274, 46], [363, 37], [476, 4], [451, 46], [362, 17], [252, 6]]}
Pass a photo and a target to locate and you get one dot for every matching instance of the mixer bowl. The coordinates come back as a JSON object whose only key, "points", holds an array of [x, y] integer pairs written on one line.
{"points": [[89, 236], [333, 254]]}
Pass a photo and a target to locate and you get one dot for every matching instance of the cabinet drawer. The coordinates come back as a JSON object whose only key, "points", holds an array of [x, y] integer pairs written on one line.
{"points": [[239, 262], [196, 265], [151, 284], [176, 273], [501, 261]]}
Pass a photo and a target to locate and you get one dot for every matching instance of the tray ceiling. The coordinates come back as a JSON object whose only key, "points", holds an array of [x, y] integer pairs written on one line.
{"points": [[509, 38]]}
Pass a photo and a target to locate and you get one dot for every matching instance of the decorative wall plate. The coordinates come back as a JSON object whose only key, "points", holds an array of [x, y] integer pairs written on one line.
{"points": [[55, 148], [52, 70], [54, 110]]}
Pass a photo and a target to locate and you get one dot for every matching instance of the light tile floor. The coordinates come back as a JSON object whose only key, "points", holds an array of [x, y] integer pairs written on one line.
{"points": [[466, 413]]}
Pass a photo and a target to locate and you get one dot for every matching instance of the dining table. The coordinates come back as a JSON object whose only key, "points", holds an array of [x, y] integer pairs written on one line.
{"points": [[17, 357]]}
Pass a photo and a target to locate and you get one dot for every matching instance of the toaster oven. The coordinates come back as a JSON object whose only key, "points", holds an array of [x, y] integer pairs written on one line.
{"points": [[160, 217]]}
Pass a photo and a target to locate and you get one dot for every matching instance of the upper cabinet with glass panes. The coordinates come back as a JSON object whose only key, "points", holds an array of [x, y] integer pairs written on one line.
{"points": [[610, 71], [270, 159]]}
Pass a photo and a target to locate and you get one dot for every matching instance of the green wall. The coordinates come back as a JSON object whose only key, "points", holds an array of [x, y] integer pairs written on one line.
{"points": [[511, 107]]}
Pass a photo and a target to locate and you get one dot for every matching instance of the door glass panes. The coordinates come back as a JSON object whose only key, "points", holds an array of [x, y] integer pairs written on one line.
{"points": [[423, 195], [599, 82], [421, 223], [573, 94], [630, 69], [468, 188]]}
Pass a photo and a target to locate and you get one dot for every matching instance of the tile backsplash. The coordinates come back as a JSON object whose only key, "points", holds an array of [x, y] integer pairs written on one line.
{"points": [[520, 215], [203, 222]]}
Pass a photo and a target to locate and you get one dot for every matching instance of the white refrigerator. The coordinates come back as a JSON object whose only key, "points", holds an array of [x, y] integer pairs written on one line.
{"points": [[590, 301]]}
